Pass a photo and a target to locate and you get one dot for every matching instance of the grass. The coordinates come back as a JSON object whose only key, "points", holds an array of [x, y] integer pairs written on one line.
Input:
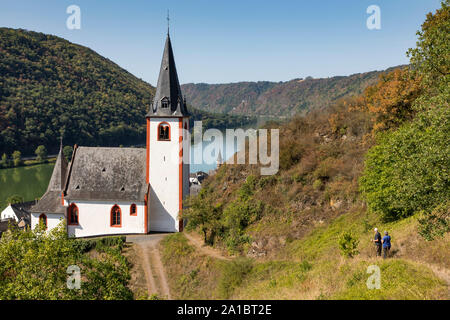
{"points": [[400, 280], [312, 267], [191, 275]]}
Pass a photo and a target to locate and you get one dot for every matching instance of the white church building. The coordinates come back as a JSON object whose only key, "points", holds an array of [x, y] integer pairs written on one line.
{"points": [[110, 191]]}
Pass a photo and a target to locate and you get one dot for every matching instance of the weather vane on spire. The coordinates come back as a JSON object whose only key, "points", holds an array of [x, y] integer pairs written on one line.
{"points": [[168, 21]]}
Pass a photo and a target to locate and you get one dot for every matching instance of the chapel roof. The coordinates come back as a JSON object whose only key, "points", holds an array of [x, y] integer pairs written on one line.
{"points": [[110, 174]]}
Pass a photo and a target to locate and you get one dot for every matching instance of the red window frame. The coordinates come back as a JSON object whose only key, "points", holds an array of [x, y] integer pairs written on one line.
{"points": [[70, 222], [43, 218], [158, 135], [116, 225], [133, 208]]}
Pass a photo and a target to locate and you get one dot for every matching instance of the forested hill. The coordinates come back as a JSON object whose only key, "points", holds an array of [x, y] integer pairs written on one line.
{"points": [[277, 98], [51, 87]]}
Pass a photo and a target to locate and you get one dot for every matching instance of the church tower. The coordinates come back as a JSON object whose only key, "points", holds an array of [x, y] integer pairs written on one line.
{"points": [[167, 149]]}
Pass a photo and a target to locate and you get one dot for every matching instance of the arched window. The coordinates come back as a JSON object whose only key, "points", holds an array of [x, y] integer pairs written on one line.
{"points": [[73, 215], [163, 131], [43, 220], [133, 211], [116, 216]]}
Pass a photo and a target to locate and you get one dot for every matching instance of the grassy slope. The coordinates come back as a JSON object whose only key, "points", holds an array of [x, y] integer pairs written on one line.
{"points": [[294, 245], [312, 268]]}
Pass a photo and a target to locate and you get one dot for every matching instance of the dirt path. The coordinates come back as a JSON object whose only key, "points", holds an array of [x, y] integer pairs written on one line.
{"points": [[155, 276], [200, 245]]}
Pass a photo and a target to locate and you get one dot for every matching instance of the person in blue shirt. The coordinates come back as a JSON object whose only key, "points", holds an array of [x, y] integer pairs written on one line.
{"points": [[386, 244]]}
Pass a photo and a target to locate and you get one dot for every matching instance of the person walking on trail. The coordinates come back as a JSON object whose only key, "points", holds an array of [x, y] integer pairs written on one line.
{"points": [[386, 244], [377, 241]]}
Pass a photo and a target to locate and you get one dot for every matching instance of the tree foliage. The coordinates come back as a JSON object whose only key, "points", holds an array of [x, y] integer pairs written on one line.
{"points": [[41, 153], [17, 158], [408, 170], [34, 266], [391, 99], [67, 151], [431, 57]]}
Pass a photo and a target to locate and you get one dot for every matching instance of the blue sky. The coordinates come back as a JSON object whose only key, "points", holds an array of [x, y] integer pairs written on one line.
{"points": [[228, 40]]}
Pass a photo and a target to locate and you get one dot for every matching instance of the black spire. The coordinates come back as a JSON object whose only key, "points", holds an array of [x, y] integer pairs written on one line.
{"points": [[168, 99]]}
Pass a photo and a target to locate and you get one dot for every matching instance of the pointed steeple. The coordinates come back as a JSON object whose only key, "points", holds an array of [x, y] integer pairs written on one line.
{"points": [[168, 101], [58, 179]]}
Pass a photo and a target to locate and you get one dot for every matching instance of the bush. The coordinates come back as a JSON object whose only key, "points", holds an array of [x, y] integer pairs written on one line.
{"points": [[237, 216], [317, 184], [41, 153], [435, 224], [4, 162], [17, 158], [408, 170], [348, 244]]}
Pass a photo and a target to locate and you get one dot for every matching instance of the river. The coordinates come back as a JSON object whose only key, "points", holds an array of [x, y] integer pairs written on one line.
{"points": [[30, 182]]}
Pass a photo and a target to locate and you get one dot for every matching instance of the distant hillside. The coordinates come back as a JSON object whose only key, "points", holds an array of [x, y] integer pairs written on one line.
{"points": [[277, 98], [50, 87]]}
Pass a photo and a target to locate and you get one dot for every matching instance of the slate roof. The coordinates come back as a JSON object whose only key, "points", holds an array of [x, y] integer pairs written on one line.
{"points": [[168, 87], [112, 174], [21, 211], [4, 226], [51, 200]]}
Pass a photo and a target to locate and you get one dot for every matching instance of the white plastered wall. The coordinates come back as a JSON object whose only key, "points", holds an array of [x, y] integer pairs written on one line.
{"points": [[164, 177], [94, 219], [53, 220]]}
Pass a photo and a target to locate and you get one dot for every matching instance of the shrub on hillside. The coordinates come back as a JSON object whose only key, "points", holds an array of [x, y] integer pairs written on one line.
{"points": [[436, 223], [408, 170], [348, 244]]}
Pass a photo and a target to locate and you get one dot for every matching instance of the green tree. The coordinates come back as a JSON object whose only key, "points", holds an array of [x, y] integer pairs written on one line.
{"points": [[408, 170], [431, 57], [41, 153], [35, 265], [204, 215], [4, 163], [67, 151], [17, 158]]}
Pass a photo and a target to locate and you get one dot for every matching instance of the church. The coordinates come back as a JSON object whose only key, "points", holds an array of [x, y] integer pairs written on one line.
{"points": [[110, 191]]}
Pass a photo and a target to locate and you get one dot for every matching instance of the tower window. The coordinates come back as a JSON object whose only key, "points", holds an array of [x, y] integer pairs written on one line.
{"points": [[164, 131], [116, 216], [133, 211], [165, 103], [43, 220], [73, 215]]}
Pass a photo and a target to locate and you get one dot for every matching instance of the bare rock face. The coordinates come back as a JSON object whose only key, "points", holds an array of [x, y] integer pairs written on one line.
{"points": [[256, 250], [336, 204]]}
